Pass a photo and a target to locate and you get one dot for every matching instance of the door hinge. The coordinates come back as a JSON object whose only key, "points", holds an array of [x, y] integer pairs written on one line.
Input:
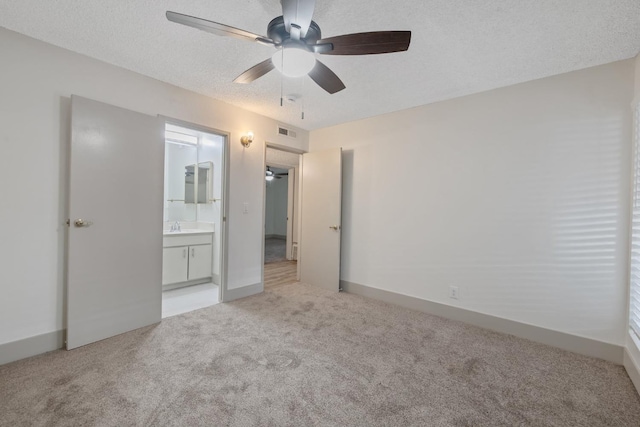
{"points": [[224, 219]]}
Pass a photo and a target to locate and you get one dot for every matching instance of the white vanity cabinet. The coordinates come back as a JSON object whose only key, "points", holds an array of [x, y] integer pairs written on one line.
{"points": [[186, 256], [200, 264], [175, 265]]}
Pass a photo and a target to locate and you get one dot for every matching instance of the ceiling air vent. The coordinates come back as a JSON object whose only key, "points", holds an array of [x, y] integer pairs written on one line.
{"points": [[286, 132]]}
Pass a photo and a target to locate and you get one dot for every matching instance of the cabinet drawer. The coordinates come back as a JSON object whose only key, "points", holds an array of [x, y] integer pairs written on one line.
{"points": [[192, 239]]}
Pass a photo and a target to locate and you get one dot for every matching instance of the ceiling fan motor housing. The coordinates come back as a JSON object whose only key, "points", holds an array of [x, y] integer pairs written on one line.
{"points": [[277, 32]]}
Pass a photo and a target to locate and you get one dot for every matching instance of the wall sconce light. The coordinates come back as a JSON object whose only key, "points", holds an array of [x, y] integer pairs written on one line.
{"points": [[247, 139]]}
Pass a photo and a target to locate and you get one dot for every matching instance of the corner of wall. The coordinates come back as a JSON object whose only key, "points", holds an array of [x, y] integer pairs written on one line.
{"points": [[242, 292], [631, 360], [31, 346]]}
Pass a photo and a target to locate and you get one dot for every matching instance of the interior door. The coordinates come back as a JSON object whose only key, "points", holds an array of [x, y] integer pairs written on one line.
{"points": [[320, 216], [115, 230]]}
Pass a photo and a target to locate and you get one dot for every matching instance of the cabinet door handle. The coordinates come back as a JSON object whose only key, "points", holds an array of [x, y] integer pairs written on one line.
{"points": [[193, 252], [184, 253]]}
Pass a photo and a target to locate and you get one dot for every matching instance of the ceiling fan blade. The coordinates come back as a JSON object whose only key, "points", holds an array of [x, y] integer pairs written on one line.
{"points": [[368, 43], [298, 12], [255, 72], [216, 28], [325, 78]]}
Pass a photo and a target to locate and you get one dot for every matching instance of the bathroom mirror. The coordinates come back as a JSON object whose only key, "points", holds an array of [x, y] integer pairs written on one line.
{"points": [[177, 157], [203, 176]]}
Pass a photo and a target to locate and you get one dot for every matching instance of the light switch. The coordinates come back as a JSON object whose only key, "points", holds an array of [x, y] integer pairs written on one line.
{"points": [[245, 207]]}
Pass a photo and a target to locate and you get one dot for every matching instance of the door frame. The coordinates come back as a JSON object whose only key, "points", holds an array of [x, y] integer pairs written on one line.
{"points": [[264, 197], [224, 228]]}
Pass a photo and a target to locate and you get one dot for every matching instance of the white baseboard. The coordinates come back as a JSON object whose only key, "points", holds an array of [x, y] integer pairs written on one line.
{"points": [[245, 291], [185, 284], [581, 345], [32, 346], [275, 236], [632, 360]]}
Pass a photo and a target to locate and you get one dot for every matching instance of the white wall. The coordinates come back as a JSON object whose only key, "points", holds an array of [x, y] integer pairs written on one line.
{"points": [[176, 158], [276, 207], [518, 196], [36, 81], [632, 359], [637, 74]]}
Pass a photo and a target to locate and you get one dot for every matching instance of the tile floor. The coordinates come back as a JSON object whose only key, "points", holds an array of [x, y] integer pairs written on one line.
{"points": [[184, 300]]}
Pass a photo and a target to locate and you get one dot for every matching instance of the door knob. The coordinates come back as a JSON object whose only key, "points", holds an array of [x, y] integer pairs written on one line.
{"points": [[334, 227], [81, 223]]}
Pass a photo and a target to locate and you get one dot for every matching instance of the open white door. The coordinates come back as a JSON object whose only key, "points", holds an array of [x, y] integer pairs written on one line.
{"points": [[321, 216], [115, 232]]}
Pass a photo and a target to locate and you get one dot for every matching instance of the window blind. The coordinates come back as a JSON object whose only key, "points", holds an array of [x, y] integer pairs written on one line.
{"points": [[634, 297]]}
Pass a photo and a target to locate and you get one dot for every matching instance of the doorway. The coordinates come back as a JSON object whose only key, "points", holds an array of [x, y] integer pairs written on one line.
{"points": [[314, 215], [276, 217], [281, 217], [193, 218]]}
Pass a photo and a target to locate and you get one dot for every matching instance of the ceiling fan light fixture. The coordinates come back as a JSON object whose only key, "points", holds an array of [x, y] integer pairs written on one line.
{"points": [[269, 174], [297, 62]]}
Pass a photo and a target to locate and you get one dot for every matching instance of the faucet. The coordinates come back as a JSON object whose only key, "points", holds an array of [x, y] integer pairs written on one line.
{"points": [[175, 226]]}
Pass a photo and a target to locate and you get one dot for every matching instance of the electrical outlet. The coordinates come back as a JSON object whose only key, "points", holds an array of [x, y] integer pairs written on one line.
{"points": [[453, 292]]}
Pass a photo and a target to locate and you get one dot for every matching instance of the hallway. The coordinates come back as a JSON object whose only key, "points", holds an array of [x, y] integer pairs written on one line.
{"points": [[279, 273]]}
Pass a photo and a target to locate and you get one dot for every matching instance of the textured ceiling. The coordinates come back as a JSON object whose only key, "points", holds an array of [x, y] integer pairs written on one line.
{"points": [[458, 47]]}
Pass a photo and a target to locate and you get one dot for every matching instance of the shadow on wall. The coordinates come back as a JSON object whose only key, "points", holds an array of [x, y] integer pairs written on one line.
{"points": [[347, 208], [63, 208]]}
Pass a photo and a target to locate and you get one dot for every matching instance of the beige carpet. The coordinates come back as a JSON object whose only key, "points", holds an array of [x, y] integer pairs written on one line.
{"points": [[299, 356]]}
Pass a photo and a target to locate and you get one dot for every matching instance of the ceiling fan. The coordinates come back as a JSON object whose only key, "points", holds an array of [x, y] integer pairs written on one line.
{"points": [[298, 39], [270, 175]]}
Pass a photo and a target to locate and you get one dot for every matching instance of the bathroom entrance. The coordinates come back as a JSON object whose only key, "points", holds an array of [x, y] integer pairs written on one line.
{"points": [[193, 218]]}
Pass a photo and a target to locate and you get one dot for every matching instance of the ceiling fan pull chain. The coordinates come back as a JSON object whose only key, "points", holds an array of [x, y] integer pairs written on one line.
{"points": [[303, 96], [281, 78]]}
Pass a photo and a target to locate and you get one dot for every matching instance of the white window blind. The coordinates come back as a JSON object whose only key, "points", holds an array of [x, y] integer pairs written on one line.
{"points": [[634, 300]]}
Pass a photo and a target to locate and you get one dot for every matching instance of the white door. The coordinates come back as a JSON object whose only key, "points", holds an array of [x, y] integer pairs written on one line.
{"points": [[320, 216], [115, 232]]}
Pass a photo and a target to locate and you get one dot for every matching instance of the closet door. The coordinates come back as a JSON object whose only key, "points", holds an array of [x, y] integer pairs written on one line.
{"points": [[115, 229]]}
